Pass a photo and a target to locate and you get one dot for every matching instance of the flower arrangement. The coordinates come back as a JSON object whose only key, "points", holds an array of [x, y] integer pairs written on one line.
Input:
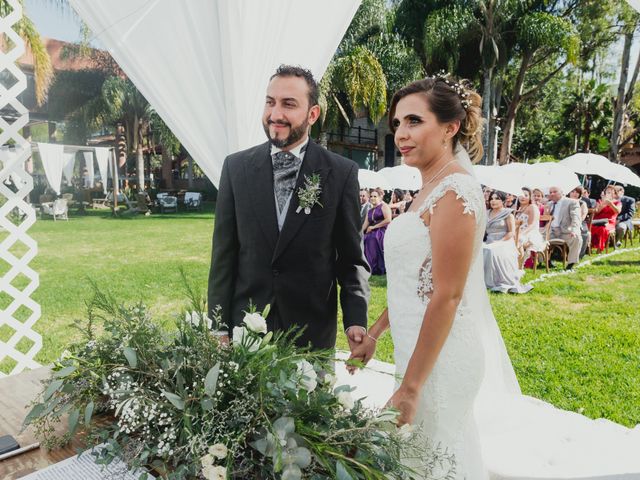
{"points": [[186, 406]]}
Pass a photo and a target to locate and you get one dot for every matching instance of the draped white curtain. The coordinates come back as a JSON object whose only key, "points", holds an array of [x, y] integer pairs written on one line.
{"points": [[53, 161], [88, 163], [102, 157], [204, 64], [69, 163]]}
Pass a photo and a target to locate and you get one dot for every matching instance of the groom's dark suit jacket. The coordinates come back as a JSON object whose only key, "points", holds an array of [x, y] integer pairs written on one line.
{"points": [[295, 270]]}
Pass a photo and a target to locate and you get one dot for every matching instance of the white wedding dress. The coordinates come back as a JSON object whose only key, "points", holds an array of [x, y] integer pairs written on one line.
{"points": [[471, 403], [446, 407]]}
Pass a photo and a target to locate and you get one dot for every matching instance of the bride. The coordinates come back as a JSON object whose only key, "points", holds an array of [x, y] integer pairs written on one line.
{"points": [[457, 380]]}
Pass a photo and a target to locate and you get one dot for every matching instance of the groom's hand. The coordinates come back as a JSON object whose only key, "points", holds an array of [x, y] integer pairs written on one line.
{"points": [[355, 335]]}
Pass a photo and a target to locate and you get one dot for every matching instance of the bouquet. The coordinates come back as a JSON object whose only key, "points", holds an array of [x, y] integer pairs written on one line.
{"points": [[186, 406]]}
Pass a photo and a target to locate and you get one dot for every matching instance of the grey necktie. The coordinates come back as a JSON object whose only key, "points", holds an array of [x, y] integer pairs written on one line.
{"points": [[285, 173]]}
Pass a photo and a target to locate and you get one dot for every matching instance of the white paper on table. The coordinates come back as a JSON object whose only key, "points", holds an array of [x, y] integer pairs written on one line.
{"points": [[84, 467]]}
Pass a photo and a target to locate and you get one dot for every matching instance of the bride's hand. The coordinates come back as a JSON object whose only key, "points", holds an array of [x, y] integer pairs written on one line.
{"points": [[363, 351], [406, 402]]}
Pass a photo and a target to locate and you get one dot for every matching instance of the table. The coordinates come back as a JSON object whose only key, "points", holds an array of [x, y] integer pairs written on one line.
{"points": [[16, 392]]}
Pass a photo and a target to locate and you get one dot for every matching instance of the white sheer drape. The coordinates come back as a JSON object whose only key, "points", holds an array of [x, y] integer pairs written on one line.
{"points": [[204, 64], [69, 163], [52, 157], [102, 157], [88, 164]]}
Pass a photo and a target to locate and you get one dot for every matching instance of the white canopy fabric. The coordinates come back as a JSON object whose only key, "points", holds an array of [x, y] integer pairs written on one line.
{"points": [[204, 64], [371, 179], [511, 178], [403, 177], [88, 163], [102, 157], [498, 178], [592, 164], [635, 4], [69, 163], [52, 156]]}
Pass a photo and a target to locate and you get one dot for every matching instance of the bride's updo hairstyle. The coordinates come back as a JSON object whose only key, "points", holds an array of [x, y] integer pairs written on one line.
{"points": [[449, 100]]}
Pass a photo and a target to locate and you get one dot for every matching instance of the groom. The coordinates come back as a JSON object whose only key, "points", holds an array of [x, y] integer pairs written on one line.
{"points": [[270, 246]]}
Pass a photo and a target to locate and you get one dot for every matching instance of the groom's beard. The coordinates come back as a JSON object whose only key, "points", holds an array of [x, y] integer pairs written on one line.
{"points": [[295, 134]]}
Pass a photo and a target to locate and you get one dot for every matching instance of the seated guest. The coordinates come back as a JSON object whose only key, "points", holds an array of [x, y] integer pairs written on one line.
{"points": [[364, 205], [501, 272], [604, 218], [375, 225], [538, 198], [408, 200], [566, 223], [397, 203], [510, 201], [528, 216], [487, 191], [623, 221], [591, 203], [576, 194]]}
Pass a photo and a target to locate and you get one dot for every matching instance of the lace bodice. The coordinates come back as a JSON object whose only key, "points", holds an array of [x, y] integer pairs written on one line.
{"points": [[412, 238]]}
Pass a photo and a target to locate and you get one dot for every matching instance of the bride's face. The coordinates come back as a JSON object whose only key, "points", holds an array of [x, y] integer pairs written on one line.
{"points": [[419, 136]]}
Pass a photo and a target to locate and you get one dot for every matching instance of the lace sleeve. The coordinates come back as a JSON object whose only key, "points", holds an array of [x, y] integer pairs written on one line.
{"points": [[466, 189]]}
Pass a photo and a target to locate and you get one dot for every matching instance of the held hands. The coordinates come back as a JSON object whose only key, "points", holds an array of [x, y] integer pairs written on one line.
{"points": [[406, 401], [364, 352], [355, 336]]}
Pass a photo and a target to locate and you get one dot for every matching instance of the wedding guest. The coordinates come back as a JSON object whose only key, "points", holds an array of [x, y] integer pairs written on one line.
{"points": [[576, 194], [604, 218], [375, 225], [510, 201], [501, 272], [528, 216], [487, 191], [623, 222], [397, 203], [591, 203], [408, 200], [566, 223], [365, 205]]}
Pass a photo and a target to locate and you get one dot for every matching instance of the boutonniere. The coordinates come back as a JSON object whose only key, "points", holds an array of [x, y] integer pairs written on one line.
{"points": [[309, 194]]}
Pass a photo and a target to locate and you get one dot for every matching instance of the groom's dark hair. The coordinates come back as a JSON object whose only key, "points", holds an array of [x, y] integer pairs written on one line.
{"points": [[306, 75]]}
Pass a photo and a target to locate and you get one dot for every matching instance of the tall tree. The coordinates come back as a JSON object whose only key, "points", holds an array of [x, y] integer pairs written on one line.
{"points": [[631, 21]]}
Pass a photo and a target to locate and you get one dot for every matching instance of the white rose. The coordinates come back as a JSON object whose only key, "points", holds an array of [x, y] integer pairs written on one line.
{"points": [[218, 450], [206, 461], [346, 400], [406, 431], [255, 322], [241, 337], [330, 379], [194, 318], [308, 377], [214, 473]]}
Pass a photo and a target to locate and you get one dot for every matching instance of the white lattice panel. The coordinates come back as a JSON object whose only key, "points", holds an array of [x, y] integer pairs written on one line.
{"points": [[19, 343]]}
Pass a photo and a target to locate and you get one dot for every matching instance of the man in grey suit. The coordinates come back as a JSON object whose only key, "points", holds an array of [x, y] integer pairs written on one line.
{"points": [[625, 217], [365, 206], [566, 223], [270, 246]]}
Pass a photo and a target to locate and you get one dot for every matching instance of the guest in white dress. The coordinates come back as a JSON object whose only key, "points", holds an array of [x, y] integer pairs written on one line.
{"points": [[501, 271], [527, 219]]}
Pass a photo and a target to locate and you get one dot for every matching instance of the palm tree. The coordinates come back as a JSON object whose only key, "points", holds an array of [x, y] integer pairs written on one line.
{"points": [[42, 69]]}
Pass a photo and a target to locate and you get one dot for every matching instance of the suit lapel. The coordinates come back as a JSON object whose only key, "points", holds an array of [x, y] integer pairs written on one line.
{"points": [[259, 174], [311, 164]]}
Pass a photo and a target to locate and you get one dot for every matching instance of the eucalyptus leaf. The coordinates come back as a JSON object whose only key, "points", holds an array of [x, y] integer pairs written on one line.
{"points": [[283, 426], [206, 404], [74, 416], [53, 387], [33, 414], [341, 472], [260, 445], [175, 400], [132, 358], [66, 371], [292, 472], [211, 380], [88, 413]]}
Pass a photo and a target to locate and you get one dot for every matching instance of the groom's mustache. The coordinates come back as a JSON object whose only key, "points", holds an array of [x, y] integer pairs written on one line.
{"points": [[278, 122]]}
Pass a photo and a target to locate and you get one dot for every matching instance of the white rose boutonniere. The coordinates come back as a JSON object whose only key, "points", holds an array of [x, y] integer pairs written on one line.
{"points": [[309, 195]]}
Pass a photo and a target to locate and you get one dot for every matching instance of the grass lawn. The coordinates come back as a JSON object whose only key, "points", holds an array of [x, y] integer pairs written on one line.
{"points": [[574, 340]]}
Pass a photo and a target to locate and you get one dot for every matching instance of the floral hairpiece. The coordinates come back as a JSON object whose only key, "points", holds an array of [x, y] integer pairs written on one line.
{"points": [[456, 87]]}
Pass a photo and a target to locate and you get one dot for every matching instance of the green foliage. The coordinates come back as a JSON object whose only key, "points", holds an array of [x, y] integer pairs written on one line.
{"points": [[541, 29], [185, 403], [443, 31]]}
